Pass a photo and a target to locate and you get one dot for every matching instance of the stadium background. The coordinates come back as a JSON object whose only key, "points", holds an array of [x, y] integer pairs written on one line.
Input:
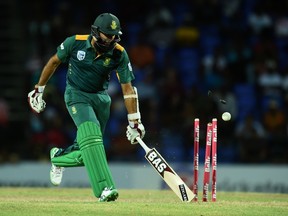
{"points": [[179, 51]]}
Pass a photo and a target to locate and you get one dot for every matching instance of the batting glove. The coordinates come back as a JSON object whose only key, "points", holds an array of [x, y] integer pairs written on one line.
{"points": [[35, 99], [135, 130]]}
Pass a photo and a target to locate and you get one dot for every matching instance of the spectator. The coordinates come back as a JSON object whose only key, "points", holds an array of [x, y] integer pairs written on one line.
{"points": [[259, 20], [251, 140], [274, 120], [270, 80]]}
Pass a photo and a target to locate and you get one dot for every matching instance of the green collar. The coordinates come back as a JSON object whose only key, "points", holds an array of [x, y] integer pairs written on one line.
{"points": [[88, 42]]}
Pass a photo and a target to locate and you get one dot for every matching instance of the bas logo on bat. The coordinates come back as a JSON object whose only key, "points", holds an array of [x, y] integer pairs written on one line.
{"points": [[157, 161], [167, 173]]}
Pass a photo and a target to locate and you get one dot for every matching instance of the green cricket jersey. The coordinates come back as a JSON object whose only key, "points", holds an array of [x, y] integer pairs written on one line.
{"points": [[89, 72]]}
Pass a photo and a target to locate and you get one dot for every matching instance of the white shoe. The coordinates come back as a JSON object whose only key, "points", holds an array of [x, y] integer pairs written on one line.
{"points": [[56, 173], [108, 195]]}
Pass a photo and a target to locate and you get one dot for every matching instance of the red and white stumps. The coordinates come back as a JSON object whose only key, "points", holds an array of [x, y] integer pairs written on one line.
{"points": [[207, 163], [210, 159], [196, 157], [214, 158]]}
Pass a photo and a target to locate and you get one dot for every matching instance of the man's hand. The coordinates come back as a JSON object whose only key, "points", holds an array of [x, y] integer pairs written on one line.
{"points": [[35, 99], [135, 130]]}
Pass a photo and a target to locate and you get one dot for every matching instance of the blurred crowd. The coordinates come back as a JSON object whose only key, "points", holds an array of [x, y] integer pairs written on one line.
{"points": [[179, 50]]}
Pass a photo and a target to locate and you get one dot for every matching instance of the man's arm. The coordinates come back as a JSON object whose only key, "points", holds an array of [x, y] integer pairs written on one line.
{"points": [[48, 70], [35, 96], [135, 128], [130, 99]]}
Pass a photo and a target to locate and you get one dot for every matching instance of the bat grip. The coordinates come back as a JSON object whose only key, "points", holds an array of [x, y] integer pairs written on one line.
{"points": [[144, 146]]}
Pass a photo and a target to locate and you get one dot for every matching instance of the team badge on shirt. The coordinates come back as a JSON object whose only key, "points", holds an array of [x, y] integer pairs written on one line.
{"points": [[74, 110], [80, 55], [106, 61]]}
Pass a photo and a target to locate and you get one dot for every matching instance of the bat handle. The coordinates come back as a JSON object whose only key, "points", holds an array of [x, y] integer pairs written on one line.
{"points": [[144, 146]]}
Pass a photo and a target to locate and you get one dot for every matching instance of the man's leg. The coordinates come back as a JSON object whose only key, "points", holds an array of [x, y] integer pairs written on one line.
{"points": [[69, 157], [91, 120], [89, 138], [60, 158]]}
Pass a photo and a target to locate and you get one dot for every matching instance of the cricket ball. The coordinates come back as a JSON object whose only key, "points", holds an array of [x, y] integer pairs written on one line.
{"points": [[226, 116]]}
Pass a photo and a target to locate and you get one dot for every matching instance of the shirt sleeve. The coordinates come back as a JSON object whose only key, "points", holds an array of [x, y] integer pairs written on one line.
{"points": [[124, 70], [64, 49]]}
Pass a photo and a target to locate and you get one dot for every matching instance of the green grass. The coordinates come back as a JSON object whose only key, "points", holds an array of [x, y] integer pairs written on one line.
{"points": [[80, 201]]}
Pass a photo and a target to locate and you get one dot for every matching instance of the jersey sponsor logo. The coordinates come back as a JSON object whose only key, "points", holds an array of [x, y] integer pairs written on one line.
{"points": [[106, 61], [80, 55]]}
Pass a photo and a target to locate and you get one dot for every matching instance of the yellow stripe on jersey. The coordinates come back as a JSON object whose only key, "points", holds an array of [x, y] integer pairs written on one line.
{"points": [[119, 47], [81, 37]]}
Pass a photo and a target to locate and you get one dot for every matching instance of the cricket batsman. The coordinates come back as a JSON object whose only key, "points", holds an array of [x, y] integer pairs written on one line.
{"points": [[91, 59]]}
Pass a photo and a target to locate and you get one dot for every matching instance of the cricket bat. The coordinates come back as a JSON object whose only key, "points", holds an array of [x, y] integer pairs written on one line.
{"points": [[167, 173]]}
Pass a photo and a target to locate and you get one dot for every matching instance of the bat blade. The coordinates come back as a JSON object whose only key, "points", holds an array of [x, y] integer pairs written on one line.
{"points": [[169, 175]]}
